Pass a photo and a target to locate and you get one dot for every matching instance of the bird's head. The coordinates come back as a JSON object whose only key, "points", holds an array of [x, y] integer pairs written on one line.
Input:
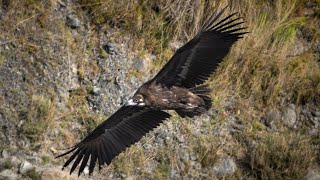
{"points": [[136, 100]]}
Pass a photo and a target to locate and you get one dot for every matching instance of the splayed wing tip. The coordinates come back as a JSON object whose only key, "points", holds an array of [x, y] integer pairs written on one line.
{"points": [[65, 153]]}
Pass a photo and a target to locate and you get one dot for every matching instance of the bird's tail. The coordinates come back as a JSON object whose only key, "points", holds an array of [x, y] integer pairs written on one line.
{"points": [[203, 91]]}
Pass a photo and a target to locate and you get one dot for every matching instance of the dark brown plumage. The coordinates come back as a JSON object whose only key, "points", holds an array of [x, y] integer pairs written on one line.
{"points": [[178, 86]]}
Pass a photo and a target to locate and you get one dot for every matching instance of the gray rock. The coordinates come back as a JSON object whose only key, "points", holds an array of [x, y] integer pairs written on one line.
{"points": [[174, 174], [53, 150], [308, 35], [298, 47], [57, 174], [272, 117], [230, 104], [96, 91], [289, 116], [64, 94], [193, 157], [312, 175], [23, 143], [4, 154], [54, 132], [14, 161], [8, 174], [183, 155], [310, 4], [312, 118], [317, 49], [19, 125], [176, 45], [34, 159], [110, 48], [139, 64], [180, 139], [73, 77], [225, 167], [147, 146], [314, 132], [25, 166], [86, 170], [316, 122], [308, 12], [236, 124], [153, 57], [316, 113], [73, 21]]}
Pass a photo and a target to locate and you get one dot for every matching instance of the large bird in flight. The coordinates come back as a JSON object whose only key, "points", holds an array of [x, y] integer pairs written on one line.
{"points": [[178, 86]]}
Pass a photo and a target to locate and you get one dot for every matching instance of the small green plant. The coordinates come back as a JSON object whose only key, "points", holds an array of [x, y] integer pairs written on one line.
{"points": [[45, 159], [7, 164], [32, 174], [317, 2], [257, 125], [285, 34]]}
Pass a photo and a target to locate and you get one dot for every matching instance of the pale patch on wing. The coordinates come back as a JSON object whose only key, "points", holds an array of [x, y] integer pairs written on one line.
{"points": [[191, 106], [165, 100]]}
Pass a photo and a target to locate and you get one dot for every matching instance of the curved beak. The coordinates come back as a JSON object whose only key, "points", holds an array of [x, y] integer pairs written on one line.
{"points": [[131, 103]]}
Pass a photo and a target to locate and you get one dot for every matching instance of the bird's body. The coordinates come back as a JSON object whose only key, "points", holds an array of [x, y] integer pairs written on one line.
{"points": [[179, 85], [176, 98]]}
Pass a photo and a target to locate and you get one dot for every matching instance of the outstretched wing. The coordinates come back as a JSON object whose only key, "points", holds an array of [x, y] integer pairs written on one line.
{"points": [[125, 127], [194, 62]]}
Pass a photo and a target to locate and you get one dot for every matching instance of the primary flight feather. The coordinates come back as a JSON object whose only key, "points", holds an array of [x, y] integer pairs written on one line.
{"points": [[178, 86]]}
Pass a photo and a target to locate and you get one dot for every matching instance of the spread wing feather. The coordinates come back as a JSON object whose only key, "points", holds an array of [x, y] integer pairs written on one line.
{"points": [[194, 62], [125, 127]]}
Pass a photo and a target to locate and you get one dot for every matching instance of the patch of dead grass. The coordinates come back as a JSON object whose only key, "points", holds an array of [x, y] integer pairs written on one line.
{"points": [[282, 156], [38, 117]]}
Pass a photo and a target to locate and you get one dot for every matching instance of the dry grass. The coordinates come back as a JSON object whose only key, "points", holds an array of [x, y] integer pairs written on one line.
{"points": [[282, 156], [258, 73], [38, 118], [39, 43], [79, 111], [286, 154], [258, 66]]}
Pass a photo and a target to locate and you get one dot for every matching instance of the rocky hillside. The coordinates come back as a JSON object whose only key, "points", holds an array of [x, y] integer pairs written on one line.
{"points": [[66, 65]]}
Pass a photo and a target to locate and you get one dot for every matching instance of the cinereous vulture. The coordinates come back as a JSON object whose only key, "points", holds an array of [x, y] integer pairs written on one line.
{"points": [[178, 86]]}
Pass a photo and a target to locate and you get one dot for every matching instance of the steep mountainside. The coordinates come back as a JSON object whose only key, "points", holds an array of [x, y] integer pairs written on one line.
{"points": [[66, 65]]}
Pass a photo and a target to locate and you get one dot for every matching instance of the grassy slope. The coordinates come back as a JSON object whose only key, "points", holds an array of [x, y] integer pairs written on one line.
{"points": [[258, 73], [259, 66]]}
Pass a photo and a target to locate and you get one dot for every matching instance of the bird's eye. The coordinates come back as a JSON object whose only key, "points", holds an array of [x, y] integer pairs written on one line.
{"points": [[135, 100]]}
